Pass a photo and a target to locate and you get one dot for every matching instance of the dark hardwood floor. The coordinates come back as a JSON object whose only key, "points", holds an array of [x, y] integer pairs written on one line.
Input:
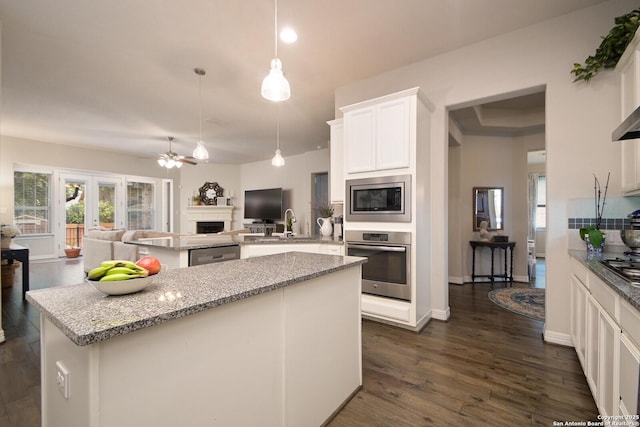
{"points": [[486, 366]]}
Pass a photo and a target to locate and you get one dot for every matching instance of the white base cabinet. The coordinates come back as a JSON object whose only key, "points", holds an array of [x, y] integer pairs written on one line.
{"points": [[606, 332]]}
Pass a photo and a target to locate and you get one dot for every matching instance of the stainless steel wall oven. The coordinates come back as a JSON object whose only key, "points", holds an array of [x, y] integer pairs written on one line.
{"points": [[388, 269]]}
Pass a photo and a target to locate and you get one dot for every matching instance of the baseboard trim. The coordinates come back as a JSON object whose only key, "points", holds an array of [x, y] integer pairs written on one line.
{"points": [[441, 314], [558, 338], [456, 280], [2, 338]]}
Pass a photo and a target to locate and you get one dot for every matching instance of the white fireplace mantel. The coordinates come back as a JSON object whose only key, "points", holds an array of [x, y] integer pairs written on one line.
{"points": [[197, 214]]}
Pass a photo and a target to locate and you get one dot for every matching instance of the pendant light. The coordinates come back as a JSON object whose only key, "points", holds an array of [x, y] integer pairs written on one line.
{"points": [[200, 152], [275, 86], [277, 160]]}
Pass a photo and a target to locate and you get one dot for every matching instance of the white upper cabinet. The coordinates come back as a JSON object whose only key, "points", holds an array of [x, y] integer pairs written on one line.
{"points": [[377, 134], [628, 68], [392, 131], [336, 156], [360, 139]]}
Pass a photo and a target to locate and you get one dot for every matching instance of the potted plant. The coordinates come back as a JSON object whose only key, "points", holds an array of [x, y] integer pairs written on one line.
{"points": [[8, 232], [611, 48], [197, 200], [72, 251], [592, 235], [324, 221]]}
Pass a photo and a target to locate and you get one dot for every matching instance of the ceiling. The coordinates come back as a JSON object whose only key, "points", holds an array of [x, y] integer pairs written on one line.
{"points": [[118, 74]]}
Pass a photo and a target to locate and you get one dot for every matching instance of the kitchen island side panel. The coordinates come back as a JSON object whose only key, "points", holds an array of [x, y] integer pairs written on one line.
{"points": [[223, 366]]}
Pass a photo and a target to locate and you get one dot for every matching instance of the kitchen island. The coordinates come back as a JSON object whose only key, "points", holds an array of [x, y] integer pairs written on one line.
{"points": [[184, 251], [269, 341]]}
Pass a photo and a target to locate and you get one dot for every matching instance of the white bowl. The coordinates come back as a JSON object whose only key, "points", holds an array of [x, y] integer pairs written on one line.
{"points": [[122, 287]]}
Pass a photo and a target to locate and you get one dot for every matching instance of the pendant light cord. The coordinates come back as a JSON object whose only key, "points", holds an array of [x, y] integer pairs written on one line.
{"points": [[276, 29], [200, 103]]}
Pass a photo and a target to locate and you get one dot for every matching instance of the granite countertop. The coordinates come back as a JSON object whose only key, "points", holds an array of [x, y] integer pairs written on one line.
{"points": [[183, 243], [87, 316], [629, 293]]}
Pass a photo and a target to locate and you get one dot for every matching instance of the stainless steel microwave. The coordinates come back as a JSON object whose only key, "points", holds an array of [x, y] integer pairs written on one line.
{"points": [[379, 199]]}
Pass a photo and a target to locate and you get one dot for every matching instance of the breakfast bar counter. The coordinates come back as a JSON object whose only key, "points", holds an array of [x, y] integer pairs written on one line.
{"points": [[278, 334]]}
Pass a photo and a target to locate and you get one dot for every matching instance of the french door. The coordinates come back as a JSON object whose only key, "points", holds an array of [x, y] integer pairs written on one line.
{"points": [[88, 201]]}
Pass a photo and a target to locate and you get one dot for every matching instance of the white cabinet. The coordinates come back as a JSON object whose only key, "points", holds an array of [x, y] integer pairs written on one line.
{"points": [[378, 137], [579, 295], [608, 343], [629, 70], [336, 156], [628, 362], [606, 331]]}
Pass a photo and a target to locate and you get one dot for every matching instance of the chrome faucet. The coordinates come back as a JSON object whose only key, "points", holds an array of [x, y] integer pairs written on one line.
{"points": [[293, 219]]}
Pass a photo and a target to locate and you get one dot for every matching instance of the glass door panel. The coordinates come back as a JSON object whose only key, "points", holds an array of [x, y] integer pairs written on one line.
{"points": [[90, 201]]}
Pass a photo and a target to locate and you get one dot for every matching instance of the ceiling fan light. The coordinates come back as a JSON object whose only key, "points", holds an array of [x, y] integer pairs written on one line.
{"points": [[275, 86], [178, 165], [277, 160], [162, 162], [170, 164], [200, 152]]}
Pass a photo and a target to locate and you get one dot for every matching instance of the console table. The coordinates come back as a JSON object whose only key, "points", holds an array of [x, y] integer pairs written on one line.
{"points": [[507, 275], [20, 253]]}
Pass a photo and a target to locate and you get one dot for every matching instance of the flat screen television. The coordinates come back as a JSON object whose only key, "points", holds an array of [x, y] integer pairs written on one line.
{"points": [[263, 205]]}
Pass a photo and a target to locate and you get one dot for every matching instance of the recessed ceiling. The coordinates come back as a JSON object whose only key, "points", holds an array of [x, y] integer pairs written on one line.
{"points": [[516, 116], [118, 74]]}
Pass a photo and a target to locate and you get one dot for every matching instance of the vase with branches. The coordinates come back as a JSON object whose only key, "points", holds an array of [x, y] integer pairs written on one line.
{"points": [[592, 234]]}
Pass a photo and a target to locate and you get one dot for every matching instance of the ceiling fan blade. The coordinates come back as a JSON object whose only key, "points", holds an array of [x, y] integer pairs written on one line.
{"points": [[187, 161]]}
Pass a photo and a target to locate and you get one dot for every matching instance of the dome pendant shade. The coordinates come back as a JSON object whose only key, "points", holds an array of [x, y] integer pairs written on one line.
{"points": [[275, 86], [277, 160], [200, 152]]}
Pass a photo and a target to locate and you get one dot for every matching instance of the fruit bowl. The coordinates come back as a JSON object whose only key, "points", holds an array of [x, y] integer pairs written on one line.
{"points": [[122, 287]]}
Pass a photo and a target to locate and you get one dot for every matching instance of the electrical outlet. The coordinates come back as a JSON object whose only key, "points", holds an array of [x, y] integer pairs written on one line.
{"points": [[62, 378]]}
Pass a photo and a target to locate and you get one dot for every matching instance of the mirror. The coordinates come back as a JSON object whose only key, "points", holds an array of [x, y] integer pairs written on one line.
{"points": [[488, 205]]}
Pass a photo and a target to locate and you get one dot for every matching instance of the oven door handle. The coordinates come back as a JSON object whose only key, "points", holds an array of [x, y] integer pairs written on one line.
{"points": [[378, 248]]}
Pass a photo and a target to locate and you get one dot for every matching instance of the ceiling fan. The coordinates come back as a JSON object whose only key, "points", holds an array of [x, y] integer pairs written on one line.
{"points": [[170, 159]]}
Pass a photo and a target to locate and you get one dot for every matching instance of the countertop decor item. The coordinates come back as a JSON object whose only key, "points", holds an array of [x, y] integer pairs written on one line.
{"points": [[8, 232], [611, 48], [122, 287], [591, 234]]}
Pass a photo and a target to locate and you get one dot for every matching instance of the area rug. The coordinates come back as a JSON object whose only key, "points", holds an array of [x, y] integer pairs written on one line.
{"points": [[525, 301]]}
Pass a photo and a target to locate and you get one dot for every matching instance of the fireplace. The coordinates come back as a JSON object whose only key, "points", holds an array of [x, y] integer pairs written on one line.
{"points": [[209, 227], [214, 219]]}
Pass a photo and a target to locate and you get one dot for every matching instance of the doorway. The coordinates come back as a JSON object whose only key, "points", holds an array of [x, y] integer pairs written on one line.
{"points": [[489, 142], [90, 201], [319, 198]]}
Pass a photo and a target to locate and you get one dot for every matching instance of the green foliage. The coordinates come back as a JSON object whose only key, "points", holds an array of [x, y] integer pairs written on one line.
{"points": [[611, 49], [76, 212]]}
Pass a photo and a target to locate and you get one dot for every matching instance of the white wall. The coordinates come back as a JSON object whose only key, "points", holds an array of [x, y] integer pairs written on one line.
{"points": [[579, 121], [194, 177], [294, 177]]}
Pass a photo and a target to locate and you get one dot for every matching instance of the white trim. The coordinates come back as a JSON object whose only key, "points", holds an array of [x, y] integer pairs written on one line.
{"points": [[558, 338]]}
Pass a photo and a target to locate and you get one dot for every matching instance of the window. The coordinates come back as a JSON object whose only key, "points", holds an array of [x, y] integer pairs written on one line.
{"points": [[140, 206], [541, 203], [31, 200]]}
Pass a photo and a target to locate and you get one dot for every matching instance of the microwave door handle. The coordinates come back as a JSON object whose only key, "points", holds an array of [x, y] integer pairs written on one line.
{"points": [[379, 248]]}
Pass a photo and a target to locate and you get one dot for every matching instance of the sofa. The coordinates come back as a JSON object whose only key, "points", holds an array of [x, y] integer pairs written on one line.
{"points": [[103, 244]]}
